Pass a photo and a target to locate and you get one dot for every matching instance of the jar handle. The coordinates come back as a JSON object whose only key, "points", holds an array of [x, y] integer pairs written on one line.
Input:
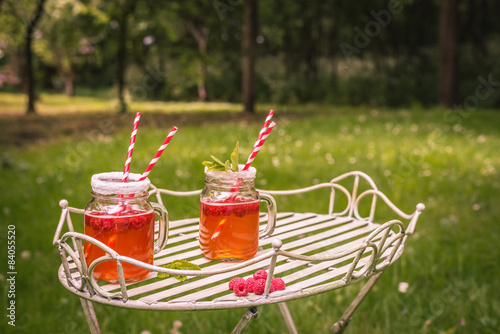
{"points": [[163, 223], [271, 215]]}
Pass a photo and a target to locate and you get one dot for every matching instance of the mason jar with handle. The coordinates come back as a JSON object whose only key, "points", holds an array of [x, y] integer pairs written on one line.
{"points": [[120, 216], [230, 215]]}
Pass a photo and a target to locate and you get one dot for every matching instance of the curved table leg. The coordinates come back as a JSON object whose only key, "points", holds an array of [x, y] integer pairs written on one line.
{"points": [[88, 309], [341, 325]]}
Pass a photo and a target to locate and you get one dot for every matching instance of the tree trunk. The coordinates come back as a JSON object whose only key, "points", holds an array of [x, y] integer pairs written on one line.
{"points": [[202, 86], [30, 78], [331, 42], [249, 54], [69, 86], [201, 37], [476, 25], [448, 53], [121, 57]]}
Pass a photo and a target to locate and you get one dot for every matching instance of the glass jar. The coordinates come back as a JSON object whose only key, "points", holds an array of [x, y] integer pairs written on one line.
{"points": [[120, 216], [230, 215]]}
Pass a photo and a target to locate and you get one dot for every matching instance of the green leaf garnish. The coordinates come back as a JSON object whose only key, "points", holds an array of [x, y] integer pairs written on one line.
{"points": [[213, 166], [234, 157], [180, 265], [217, 160], [217, 164]]}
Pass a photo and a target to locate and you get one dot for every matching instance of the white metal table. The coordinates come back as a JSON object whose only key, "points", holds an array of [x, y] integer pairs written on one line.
{"points": [[313, 253]]}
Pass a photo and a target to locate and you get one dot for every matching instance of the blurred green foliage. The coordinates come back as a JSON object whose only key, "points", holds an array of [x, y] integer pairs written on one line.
{"points": [[360, 53]]}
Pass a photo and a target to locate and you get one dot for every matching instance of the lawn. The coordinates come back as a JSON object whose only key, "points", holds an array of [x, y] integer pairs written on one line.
{"points": [[54, 104], [451, 164]]}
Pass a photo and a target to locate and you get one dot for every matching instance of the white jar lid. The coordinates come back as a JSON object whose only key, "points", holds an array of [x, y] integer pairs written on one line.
{"points": [[111, 183]]}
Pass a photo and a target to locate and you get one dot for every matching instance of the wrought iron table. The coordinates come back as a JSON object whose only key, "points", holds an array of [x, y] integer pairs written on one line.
{"points": [[313, 253]]}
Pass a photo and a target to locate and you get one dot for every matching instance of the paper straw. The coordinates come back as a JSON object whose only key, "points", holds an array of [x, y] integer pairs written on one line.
{"points": [[131, 147], [218, 229], [158, 154], [264, 127], [261, 134], [258, 145]]}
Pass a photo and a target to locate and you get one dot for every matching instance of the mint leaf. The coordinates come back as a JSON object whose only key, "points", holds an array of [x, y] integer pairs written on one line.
{"points": [[217, 164], [180, 265], [227, 166], [213, 166], [217, 160], [234, 157], [208, 164]]}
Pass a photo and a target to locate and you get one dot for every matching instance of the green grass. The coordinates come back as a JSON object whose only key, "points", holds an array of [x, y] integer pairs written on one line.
{"points": [[451, 263], [53, 104]]}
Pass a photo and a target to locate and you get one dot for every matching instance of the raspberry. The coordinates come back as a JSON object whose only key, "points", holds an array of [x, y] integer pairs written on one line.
{"points": [[95, 223], [259, 286], [235, 281], [250, 282], [215, 209], [255, 284], [240, 288], [243, 208], [226, 210], [260, 274], [254, 207], [138, 222], [207, 208], [278, 284], [107, 224], [240, 210], [122, 224]]}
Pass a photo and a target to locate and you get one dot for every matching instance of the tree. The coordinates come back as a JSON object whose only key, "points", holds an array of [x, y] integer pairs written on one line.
{"points": [[249, 54], [200, 34], [30, 78], [69, 38], [121, 15], [448, 53], [200, 20]]}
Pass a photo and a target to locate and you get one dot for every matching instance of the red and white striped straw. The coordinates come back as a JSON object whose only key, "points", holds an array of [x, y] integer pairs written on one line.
{"points": [[261, 133], [264, 127], [158, 154], [258, 145], [131, 147]]}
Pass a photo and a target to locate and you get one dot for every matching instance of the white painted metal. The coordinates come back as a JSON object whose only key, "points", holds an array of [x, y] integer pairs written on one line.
{"points": [[313, 253]]}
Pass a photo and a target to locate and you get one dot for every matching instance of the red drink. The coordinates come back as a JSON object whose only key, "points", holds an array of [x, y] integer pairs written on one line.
{"points": [[129, 232], [229, 230]]}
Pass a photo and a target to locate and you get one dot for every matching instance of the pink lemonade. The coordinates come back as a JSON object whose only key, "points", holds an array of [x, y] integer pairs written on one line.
{"points": [[229, 230], [129, 232]]}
